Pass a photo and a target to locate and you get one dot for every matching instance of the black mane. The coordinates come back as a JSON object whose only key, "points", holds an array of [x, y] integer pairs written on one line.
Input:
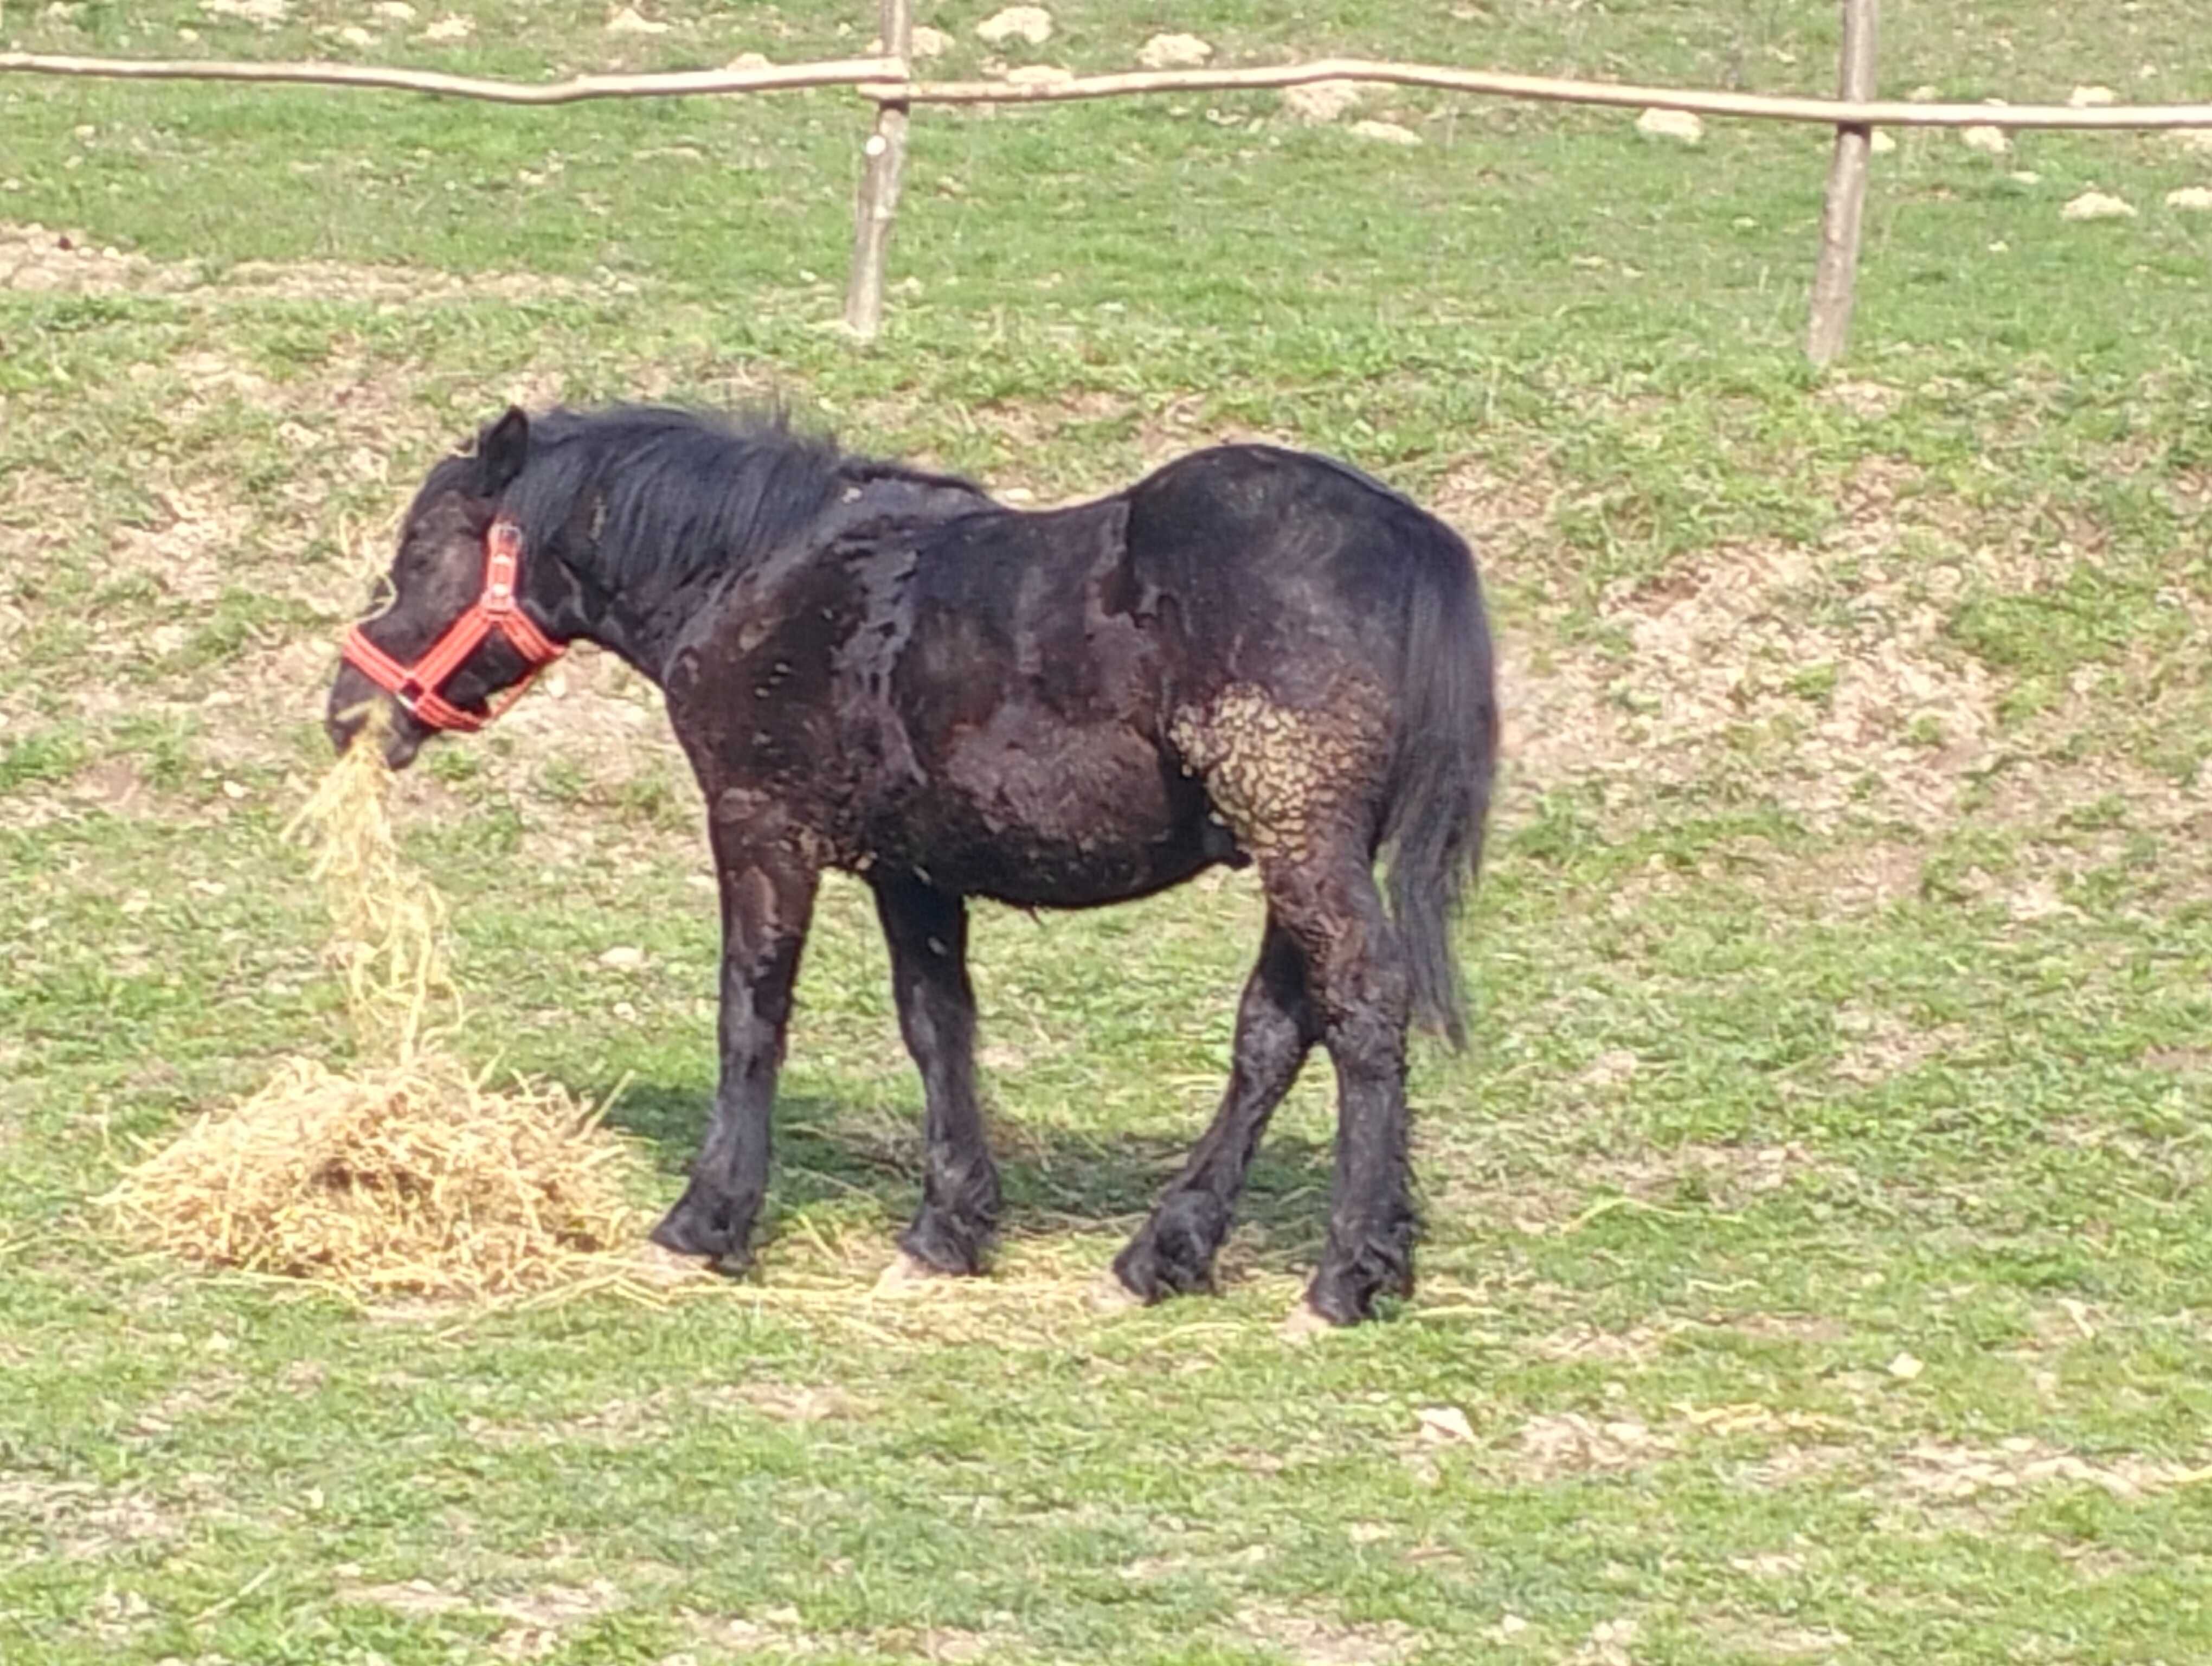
{"points": [[666, 496]]}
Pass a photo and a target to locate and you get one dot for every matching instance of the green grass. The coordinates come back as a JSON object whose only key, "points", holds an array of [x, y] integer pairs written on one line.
{"points": [[1817, 1235]]}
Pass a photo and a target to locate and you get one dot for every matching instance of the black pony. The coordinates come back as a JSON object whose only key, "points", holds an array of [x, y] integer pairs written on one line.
{"points": [[1251, 655]]}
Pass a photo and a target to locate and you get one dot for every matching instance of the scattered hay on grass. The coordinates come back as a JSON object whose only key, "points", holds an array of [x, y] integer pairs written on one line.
{"points": [[405, 1177], [407, 1174]]}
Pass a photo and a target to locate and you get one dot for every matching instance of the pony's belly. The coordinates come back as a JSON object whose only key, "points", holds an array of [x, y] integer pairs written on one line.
{"points": [[1059, 818]]}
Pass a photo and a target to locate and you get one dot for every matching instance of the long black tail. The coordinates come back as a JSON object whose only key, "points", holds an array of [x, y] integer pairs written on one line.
{"points": [[1439, 792]]}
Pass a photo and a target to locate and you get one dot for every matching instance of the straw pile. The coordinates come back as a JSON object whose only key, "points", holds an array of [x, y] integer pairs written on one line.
{"points": [[407, 1174]]}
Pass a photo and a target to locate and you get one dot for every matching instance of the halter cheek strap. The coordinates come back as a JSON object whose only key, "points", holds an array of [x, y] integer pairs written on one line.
{"points": [[495, 610]]}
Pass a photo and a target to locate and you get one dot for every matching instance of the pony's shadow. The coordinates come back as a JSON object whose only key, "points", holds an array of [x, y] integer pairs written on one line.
{"points": [[1055, 1181]]}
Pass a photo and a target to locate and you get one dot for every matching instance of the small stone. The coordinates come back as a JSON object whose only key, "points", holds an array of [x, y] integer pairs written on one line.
{"points": [[354, 35], [931, 42], [2082, 98], [1905, 1368], [1321, 100], [266, 14], [393, 11], [1882, 143], [1174, 52], [630, 20], [623, 958], [1386, 132], [1030, 23], [2097, 205], [1445, 1423], [451, 29], [2196, 199], [750, 61], [1990, 141], [1683, 124], [2025, 176]]}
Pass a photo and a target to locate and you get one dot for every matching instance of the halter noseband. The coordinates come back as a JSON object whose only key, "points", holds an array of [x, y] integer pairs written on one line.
{"points": [[494, 610]]}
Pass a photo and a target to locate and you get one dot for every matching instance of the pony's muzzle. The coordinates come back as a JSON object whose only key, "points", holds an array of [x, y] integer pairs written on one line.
{"points": [[353, 699]]}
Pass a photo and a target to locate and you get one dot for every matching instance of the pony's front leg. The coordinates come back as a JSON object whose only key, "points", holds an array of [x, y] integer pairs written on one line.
{"points": [[767, 897], [927, 931]]}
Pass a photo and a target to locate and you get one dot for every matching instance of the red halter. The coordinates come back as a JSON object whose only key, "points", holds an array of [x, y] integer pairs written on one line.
{"points": [[416, 686]]}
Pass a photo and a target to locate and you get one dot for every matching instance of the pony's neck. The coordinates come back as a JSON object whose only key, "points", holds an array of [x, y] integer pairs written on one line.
{"points": [[639, 611], [638, 624]]}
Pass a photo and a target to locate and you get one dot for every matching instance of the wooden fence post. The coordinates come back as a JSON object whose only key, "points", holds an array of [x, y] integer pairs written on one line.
{"points": [[880, 171], [1835, 276]]}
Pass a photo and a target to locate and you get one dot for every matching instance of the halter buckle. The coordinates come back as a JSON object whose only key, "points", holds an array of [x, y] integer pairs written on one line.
{"points": [[502, 567]]}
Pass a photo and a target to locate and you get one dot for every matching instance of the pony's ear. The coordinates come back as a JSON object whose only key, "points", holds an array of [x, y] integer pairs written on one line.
{"points": [[503, 449]]}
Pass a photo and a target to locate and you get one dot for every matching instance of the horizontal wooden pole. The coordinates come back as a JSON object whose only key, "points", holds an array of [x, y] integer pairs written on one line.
{"points": [[775, 77], [1826, 112], [877, 78]]}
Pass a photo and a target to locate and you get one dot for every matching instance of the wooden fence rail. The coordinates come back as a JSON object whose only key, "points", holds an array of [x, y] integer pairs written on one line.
{"points": [[888, 82]]}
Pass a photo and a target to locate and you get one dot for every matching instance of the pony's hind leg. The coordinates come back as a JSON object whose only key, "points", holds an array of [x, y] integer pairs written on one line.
{"points": [[927, 931], [1328, 903], [1276, 1026], [1300, 785]]}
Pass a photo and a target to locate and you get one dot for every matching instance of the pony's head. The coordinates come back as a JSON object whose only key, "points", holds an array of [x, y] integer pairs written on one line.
{"points": [[452, 632]]}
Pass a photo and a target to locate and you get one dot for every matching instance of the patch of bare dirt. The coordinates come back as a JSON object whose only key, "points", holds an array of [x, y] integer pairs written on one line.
{"points": [[1550, 1446], [1871, 399], [782, 1630], [1847, 879], [1824, 676], [1945, 1472], [415, 1599], [1883, 1045], [1558, 1444], [187, 1403], [1790, 1327], [190, 553], [84, 1520], [1549, 1191], [39, 258], [1776, 1639], [537, 1619], [1638, 1345], [2181, 1060], [785, 1403], [1502, 514], [1313, 1639], [1180, 425], [624, 1423]]}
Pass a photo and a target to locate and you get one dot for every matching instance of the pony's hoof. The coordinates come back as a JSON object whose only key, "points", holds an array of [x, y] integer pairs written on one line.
{"points": [[690, 1230], [946, 1243], [1151, 1269]]}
